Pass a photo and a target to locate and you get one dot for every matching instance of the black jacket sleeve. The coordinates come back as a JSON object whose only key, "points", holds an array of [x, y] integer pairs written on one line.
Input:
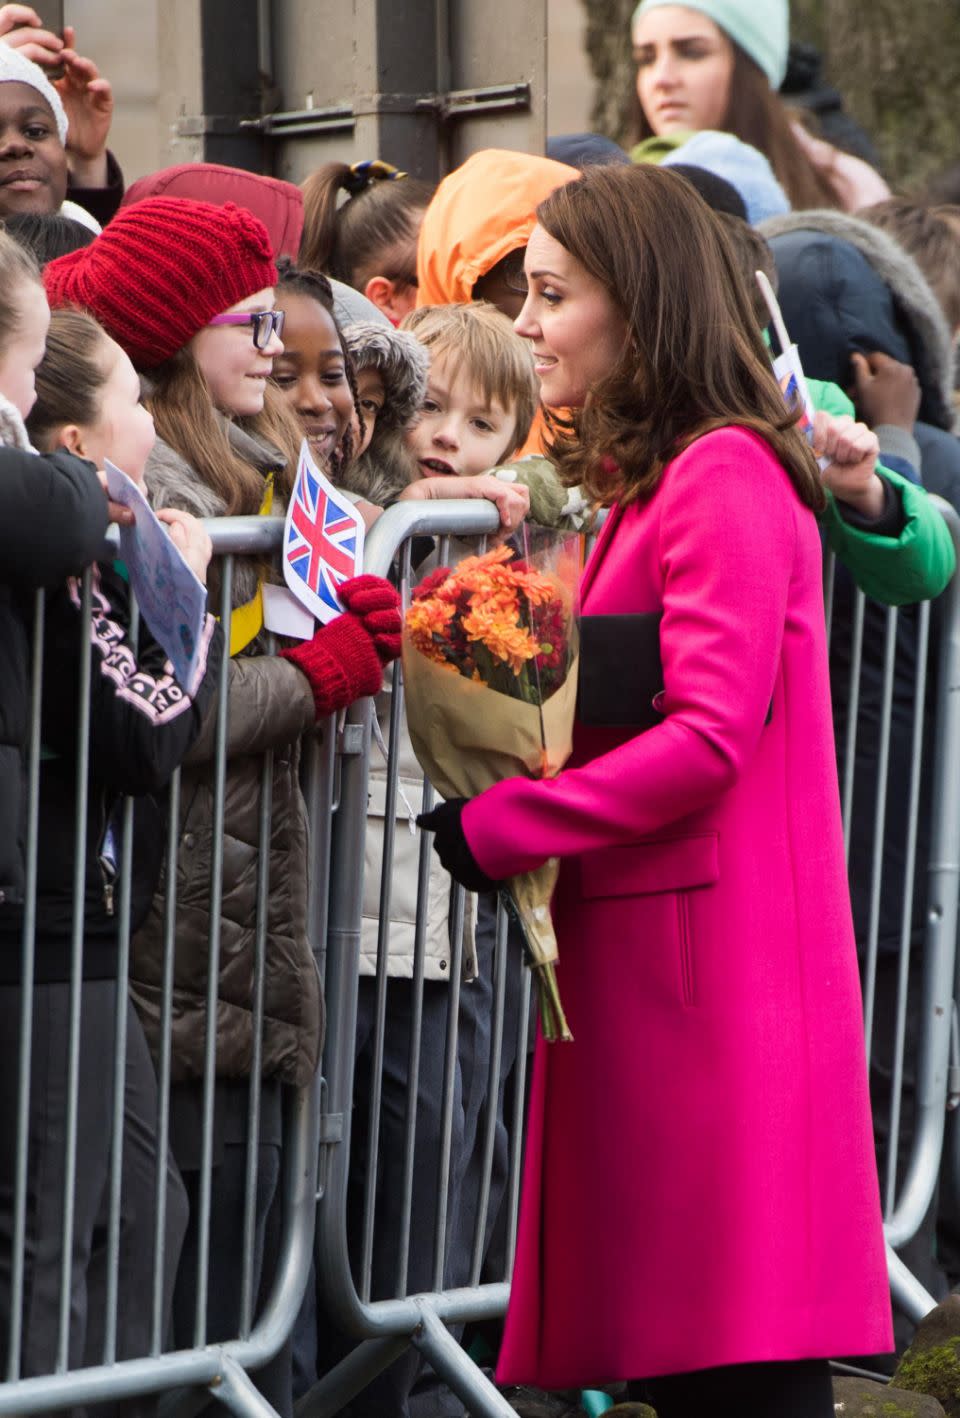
{"points": [[53, 516], [101, 202], [142, 721]]}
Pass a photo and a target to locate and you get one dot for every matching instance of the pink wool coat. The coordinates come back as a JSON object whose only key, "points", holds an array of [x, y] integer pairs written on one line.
{"points": [[700, 1186]]}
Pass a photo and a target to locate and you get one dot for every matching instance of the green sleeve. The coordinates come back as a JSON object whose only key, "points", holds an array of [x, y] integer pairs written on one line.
{"points": [[551, 504], [917, 565]]}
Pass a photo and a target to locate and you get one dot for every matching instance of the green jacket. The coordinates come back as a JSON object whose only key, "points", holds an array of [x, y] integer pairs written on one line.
{"points": [[914, 566], [898, 570]]}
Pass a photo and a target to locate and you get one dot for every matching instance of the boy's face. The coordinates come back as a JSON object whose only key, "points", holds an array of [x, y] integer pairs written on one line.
{"points": [[458, 434]]}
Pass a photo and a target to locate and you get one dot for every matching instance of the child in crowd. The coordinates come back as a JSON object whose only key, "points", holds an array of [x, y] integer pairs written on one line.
{"points": [[55, 132], [187, 288], [369, 241], [82, 401], [480, 368], [931, 235], [312, 371], [481, 391], [391, 368], [48, 234]]}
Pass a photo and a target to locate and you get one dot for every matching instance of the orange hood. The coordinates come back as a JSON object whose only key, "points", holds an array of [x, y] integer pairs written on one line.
{"points": [[485, 209]]}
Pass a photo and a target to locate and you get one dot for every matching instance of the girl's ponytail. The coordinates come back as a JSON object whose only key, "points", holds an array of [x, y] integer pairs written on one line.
{"points": [[373, 233], [320, 193]]}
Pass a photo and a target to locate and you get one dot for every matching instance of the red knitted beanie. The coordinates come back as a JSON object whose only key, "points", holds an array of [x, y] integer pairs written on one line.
{"points": [[161, 270]]}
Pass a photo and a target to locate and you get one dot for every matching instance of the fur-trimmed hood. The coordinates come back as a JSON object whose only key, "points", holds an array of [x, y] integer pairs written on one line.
{"points": [[402, 363], [846, 286]]}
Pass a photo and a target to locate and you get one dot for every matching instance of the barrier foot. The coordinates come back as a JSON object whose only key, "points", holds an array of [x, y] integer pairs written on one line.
{"points": [[907, 1292], [351, 1376], [234, 1388], [456, 1368]]}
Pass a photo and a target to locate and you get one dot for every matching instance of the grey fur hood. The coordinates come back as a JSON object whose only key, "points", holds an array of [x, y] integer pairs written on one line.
{"points": [[917, 316], [403, 364]]}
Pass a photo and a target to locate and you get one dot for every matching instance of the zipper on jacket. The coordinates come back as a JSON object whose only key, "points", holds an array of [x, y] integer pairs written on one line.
{"points": [[687, 986]]}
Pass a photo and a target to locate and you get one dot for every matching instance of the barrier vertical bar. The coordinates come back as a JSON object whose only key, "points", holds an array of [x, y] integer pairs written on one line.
{"points": [[19, 1237], [879, 826], [166, 1050], [119, 1063], [853, 710], [493, 1092], [256, 1063], [76, 970], [906, 912], [213, 962]]}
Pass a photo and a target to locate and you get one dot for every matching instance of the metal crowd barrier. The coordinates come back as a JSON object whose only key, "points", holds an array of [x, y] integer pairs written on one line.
{"points": [[898, 745], [223, 1367], [332, 1159]]}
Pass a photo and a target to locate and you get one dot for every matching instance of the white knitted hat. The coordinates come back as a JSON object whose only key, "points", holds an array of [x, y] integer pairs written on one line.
{"points": [[15, 69]]}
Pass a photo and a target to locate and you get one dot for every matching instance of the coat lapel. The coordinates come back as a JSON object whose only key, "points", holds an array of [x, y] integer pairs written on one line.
{"points": [[599, 550]]}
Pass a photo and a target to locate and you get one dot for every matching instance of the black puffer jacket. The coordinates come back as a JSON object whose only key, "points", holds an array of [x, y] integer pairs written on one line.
{"points": [[141, 725], [53, 516], [846, 286]]}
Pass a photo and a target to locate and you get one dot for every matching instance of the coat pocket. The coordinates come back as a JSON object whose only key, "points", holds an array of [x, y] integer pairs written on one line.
{"points": [[664, 876], [657, 864]]}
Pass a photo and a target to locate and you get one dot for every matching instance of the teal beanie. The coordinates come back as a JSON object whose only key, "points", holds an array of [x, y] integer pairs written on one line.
{"points": [[760, 27]]}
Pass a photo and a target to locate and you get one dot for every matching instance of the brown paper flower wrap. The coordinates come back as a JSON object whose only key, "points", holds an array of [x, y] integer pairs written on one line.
{"points": [[491, 691]]}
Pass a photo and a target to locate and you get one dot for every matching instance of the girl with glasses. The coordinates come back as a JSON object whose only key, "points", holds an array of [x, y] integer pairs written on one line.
{"points": [[187, 289]]}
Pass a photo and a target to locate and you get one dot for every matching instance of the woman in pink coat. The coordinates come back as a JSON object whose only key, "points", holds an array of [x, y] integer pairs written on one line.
{"points": [[700, 1206]]}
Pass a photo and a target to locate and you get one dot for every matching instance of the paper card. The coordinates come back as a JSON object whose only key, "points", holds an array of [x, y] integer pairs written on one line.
{"points": [[284, 615], [322, 540], [172, 601], [790, 376]]}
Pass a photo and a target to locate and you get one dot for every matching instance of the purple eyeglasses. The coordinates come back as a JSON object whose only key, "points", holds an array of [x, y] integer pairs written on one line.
{"points": [[265, 324]]}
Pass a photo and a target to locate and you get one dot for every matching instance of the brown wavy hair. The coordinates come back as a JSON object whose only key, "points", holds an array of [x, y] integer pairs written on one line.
{"points": [[758, 116], [693, 358], [185, 417]]}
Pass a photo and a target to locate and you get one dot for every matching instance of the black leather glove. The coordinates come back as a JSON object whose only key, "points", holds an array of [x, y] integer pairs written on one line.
{"points": [[452, 847]]}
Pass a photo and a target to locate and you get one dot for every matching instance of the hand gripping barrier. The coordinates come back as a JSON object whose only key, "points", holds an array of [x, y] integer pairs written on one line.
{"points": [[445, 1125]]}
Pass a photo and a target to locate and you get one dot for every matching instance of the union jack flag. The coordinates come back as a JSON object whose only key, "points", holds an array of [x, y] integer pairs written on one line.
{"points": [[322, 540]]}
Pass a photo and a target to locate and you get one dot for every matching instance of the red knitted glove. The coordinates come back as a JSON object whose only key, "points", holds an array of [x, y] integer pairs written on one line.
{"points": [[378, 606], [341, 663]]}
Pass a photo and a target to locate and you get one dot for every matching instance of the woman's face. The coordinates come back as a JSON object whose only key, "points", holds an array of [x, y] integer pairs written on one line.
{"points": [[311, 374], [684, 70], [123, 430], [235, 370], [25, 348], [576, 330]]}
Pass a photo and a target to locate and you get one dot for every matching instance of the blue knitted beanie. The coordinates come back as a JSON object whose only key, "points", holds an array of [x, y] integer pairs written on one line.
{"points": [[743, 167], [760, 27]]}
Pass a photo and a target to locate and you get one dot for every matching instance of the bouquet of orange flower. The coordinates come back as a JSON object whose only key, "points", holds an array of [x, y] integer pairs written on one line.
{"points": [[490, 673]]}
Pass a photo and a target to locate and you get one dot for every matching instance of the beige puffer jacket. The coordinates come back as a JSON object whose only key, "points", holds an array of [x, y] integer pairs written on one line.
{"points": [[271, 705]]}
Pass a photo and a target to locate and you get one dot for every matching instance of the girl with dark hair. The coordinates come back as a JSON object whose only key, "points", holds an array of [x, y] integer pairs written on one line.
{"points": [[313, 372], [370, 240], [687, 1231], [719, 64]]}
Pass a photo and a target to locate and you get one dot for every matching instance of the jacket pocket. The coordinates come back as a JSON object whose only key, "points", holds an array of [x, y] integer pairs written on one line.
{"points": [[645, 867]]}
